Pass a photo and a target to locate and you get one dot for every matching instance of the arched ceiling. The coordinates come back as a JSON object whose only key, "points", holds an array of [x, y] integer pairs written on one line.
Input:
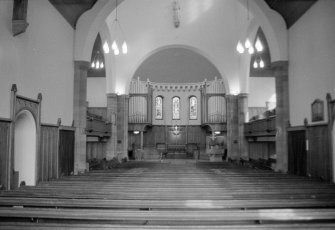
{"points": [[290, 10], [177, 65], [209, 27]]}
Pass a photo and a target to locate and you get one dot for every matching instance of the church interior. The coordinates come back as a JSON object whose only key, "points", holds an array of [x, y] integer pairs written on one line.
{"points": [[167, 114]]}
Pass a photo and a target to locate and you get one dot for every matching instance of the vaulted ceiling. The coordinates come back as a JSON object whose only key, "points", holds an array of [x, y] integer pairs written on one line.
{"points": [[72, 9], [291, 10]]}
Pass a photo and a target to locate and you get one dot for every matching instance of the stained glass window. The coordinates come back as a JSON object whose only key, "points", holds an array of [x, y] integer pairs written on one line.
{"points": [[159, 108], [175, 108], [193, 108]]}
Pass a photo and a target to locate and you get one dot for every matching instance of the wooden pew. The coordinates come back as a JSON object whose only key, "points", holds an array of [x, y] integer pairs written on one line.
{"points": [[62, 226], [274, 215], [165, 204], [211, 195]]}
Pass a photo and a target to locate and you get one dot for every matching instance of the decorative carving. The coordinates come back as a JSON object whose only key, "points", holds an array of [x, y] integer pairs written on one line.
{"points": [[305, 121], [25, 103], [39, 96], [14, 88], [59, 122], [317, 110]]}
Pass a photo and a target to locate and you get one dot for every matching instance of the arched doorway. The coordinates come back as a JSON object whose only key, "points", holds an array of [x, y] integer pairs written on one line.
{"points": [[25, 147]]}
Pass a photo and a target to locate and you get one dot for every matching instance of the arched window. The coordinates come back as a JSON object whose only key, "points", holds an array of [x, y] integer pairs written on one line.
{"points": [[159, 108], [193, 108], [175, 108]]}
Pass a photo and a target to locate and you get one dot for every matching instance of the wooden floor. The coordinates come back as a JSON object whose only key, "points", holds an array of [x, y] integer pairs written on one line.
{"points": [[174, 194]]}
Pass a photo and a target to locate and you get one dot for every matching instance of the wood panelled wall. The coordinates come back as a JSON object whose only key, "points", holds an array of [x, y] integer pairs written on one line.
{"points": [[56, 155], [66, 152], [318, 152], [309, 151], [263, 150], [47, 161], [261, 138], [160, 134], [4, 148], [95, 150]]}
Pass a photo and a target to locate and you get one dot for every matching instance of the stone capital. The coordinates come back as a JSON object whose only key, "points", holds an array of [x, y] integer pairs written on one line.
{"points": [[123, 96], [243, 95], [279, 66], [84, 65], [112, 95]]}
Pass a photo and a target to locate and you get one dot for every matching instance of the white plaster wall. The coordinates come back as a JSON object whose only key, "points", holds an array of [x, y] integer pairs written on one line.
{"points": [[39, 60], [176, 65], [25, 148], [261, 90], [311, 60], [184, 108], [96, 92]]}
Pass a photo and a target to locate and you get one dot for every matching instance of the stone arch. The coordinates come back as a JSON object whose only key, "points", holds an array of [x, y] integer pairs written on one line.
{"points": [[194, 49], [273, 26], [94, 21]]}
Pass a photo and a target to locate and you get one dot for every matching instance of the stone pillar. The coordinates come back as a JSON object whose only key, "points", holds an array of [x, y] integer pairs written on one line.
{"points": [[232, 127], [79, 114], [112, 118], [280, 69], [242, 114], [122, 125]]}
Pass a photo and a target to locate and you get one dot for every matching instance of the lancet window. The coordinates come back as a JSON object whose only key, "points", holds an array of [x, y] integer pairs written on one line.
{"points": [[159, 108], [193, 108], [175, 108]]}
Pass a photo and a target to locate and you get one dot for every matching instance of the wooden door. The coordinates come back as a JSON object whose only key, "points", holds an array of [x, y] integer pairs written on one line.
{"points": [[66, 152], [297, 154]]}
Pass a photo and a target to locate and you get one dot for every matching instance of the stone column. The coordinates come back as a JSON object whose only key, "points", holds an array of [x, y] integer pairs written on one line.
{"points": [[280, 69], [242, 114], [79, 114], [232, 127], [122, 125], [112, 110]]}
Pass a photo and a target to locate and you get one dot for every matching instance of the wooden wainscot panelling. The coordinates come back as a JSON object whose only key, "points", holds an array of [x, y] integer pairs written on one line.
{"points": [[196, 135], [318, 152], [66, 150], [297, 152], [48, 160], [331, 132], [95, 148], [263, 150], [4, 151]]}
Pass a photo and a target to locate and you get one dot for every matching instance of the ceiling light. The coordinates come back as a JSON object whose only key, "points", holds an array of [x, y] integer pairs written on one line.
{"points": [[240, 47], [118, 35], [258, 45]]}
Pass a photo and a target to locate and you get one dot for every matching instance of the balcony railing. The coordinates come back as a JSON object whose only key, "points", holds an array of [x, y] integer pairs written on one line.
{"points": [[261, 127]]}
